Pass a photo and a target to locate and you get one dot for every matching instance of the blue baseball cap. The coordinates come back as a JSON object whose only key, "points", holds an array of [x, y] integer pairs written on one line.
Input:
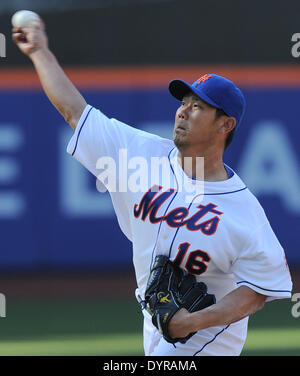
{"points": [[216, 90]]}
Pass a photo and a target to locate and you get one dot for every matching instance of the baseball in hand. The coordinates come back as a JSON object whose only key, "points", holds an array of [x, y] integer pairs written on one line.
{"points": [[24, 18]]}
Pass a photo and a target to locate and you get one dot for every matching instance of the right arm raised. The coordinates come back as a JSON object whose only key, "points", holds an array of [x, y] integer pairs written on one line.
{"points": [[57, 86]]}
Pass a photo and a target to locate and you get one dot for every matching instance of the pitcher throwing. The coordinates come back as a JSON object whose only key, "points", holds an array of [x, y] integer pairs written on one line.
{"points": [[222, 245]]}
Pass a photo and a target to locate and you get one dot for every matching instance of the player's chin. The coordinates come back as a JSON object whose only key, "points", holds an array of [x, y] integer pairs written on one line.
{"points": [[180, 141]]}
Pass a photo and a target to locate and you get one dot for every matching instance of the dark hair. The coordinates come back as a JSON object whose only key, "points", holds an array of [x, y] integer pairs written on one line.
{"points": [[230, 135]]}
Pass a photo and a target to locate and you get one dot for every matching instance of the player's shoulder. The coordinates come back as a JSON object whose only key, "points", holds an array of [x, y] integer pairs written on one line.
{"points": [[150, 142], [139, 137], [152, 137], [249, 203]]}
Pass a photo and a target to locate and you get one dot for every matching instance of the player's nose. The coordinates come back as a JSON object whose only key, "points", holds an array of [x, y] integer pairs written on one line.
{"points": [[183, 112]]}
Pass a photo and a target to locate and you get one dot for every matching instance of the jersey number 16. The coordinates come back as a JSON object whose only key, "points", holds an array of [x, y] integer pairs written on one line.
{"points": [[196, 261]]}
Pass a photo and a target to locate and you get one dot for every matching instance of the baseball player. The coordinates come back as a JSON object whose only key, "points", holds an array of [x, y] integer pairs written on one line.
{"points": [[224, 239]]}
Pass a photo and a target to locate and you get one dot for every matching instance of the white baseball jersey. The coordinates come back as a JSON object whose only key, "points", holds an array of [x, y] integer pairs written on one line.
{"points": [[224, 239]]}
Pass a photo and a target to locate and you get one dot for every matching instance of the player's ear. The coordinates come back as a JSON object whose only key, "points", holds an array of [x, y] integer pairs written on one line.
{"points": [[227, 125]]}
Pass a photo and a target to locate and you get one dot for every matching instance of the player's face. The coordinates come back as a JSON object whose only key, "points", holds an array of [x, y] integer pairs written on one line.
{"points": [[194, 123]]}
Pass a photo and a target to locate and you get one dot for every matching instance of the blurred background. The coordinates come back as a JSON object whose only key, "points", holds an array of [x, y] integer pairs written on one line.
{"points": [[65, 267]]}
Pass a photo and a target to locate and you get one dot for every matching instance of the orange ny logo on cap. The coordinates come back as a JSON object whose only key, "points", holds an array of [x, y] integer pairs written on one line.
{"points": [[204, 78]]}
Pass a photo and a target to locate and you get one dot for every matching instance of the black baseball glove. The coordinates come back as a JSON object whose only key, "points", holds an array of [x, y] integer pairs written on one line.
{"points": [[170, 288]]}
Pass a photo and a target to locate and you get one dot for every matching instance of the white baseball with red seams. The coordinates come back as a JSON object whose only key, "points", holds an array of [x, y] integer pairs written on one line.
{"points": [[226, 240], [24, 18]]}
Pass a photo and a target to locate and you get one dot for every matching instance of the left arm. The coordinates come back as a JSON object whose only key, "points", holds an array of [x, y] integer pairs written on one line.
{"points": [[233, 307]]}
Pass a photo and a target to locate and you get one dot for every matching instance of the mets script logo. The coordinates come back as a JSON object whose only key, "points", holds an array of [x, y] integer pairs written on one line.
{"points": [[163, 298], [178, 217]]}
